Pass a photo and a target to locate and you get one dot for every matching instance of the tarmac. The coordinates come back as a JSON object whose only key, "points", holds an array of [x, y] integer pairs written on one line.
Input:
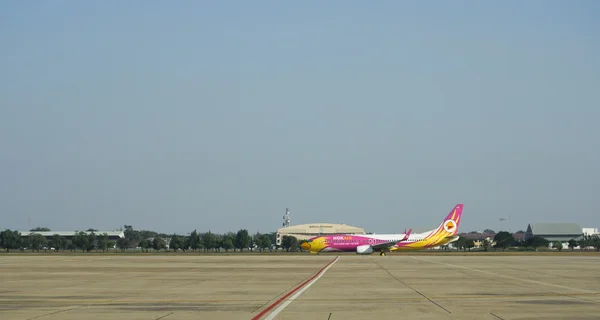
{"points": [[280, 286]]}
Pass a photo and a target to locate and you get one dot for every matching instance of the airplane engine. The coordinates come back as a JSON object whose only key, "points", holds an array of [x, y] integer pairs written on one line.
{"points": [[364, 249]]}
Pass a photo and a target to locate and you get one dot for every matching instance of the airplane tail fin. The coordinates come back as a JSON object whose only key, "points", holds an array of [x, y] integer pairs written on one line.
{"points": [[449, 226], [406, 236]]}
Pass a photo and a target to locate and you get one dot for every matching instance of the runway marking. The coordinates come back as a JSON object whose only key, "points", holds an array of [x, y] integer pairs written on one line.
{"points": [[283, 292], [55, 312], [413, 289], [509, 277], [166, 315], [572, 295], [496, 316], [301, 288]]}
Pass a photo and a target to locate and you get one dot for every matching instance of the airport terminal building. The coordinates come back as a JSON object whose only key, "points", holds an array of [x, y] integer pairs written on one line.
{"points": [[307, 231]]}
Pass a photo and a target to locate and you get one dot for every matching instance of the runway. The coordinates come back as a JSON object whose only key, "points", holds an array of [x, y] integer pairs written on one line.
{"points": [[253, 287]]}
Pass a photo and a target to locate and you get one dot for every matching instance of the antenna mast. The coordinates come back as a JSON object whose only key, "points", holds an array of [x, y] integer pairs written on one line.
{"points": [[286, 218]]}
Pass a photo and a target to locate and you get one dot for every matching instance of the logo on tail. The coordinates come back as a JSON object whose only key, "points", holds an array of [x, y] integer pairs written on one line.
{"points": [[452, 221], [450, 225]]}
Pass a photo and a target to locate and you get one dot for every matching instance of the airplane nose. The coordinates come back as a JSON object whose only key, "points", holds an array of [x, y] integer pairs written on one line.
{"points": [[305, 245]]}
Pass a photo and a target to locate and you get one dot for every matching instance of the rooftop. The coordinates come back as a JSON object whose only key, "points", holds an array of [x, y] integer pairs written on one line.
{"points": [[555, 228], [481, 236], [317, 228], [119, 234]]}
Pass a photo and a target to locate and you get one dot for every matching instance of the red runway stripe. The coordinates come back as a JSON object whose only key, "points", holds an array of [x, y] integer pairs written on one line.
{"points": [[262, 313]]}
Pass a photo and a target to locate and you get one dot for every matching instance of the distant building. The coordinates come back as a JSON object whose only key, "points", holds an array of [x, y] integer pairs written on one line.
{"points": [[555, 232], [112, 235], [307, 231], [590, 231], [479, 238]]}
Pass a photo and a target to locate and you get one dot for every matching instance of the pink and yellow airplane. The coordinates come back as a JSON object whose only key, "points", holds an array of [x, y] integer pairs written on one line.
{"points": [[367, 244]]}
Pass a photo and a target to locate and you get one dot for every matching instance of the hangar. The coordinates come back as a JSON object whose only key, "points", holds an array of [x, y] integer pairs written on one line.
{"points": [[555, 232], [307, 231]]}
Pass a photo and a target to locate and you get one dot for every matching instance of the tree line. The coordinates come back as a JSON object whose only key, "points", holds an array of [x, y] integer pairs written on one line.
{"points": [[504, 239], [207, 241], [82, 240], [145, 240], [241, 240]]}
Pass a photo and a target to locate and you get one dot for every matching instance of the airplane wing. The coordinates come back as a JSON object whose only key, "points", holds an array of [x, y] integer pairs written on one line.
{"points": [[389, 244]]}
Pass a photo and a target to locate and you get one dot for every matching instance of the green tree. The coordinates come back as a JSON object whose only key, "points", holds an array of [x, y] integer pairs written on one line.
{"points": [[91, 242], [194, 240], [25, 243], [595, 242], [145, 245], [133, 236], [268, 241], [583, 243], [102, 242], [175, 243], [186, 244], [263, 242], [537, 242], [80, 241], [159, 243], [58, 242], [209, 241], [40, 229], [470, 244], [10, 240], [272, 237], [242, 240], [461, 243], [122, 244], [289, 242], [503, 240], [559, 246], [36, 241], [146, 234], [256, 241], [128, 232], [572, 244], [227, 242]]}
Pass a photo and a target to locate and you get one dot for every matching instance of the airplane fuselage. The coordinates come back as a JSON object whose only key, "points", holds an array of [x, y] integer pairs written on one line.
{"points": [[369, 243], [350, 242]]}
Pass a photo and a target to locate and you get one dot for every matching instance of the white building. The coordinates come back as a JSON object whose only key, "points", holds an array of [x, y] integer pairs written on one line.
{"points": [[590, 231]]}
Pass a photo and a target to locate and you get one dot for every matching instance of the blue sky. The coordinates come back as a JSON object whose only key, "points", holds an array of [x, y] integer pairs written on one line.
{"points": [[219, 115]]}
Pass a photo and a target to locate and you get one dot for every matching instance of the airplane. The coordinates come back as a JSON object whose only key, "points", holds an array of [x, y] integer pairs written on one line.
{"points": [[367, 244]]}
